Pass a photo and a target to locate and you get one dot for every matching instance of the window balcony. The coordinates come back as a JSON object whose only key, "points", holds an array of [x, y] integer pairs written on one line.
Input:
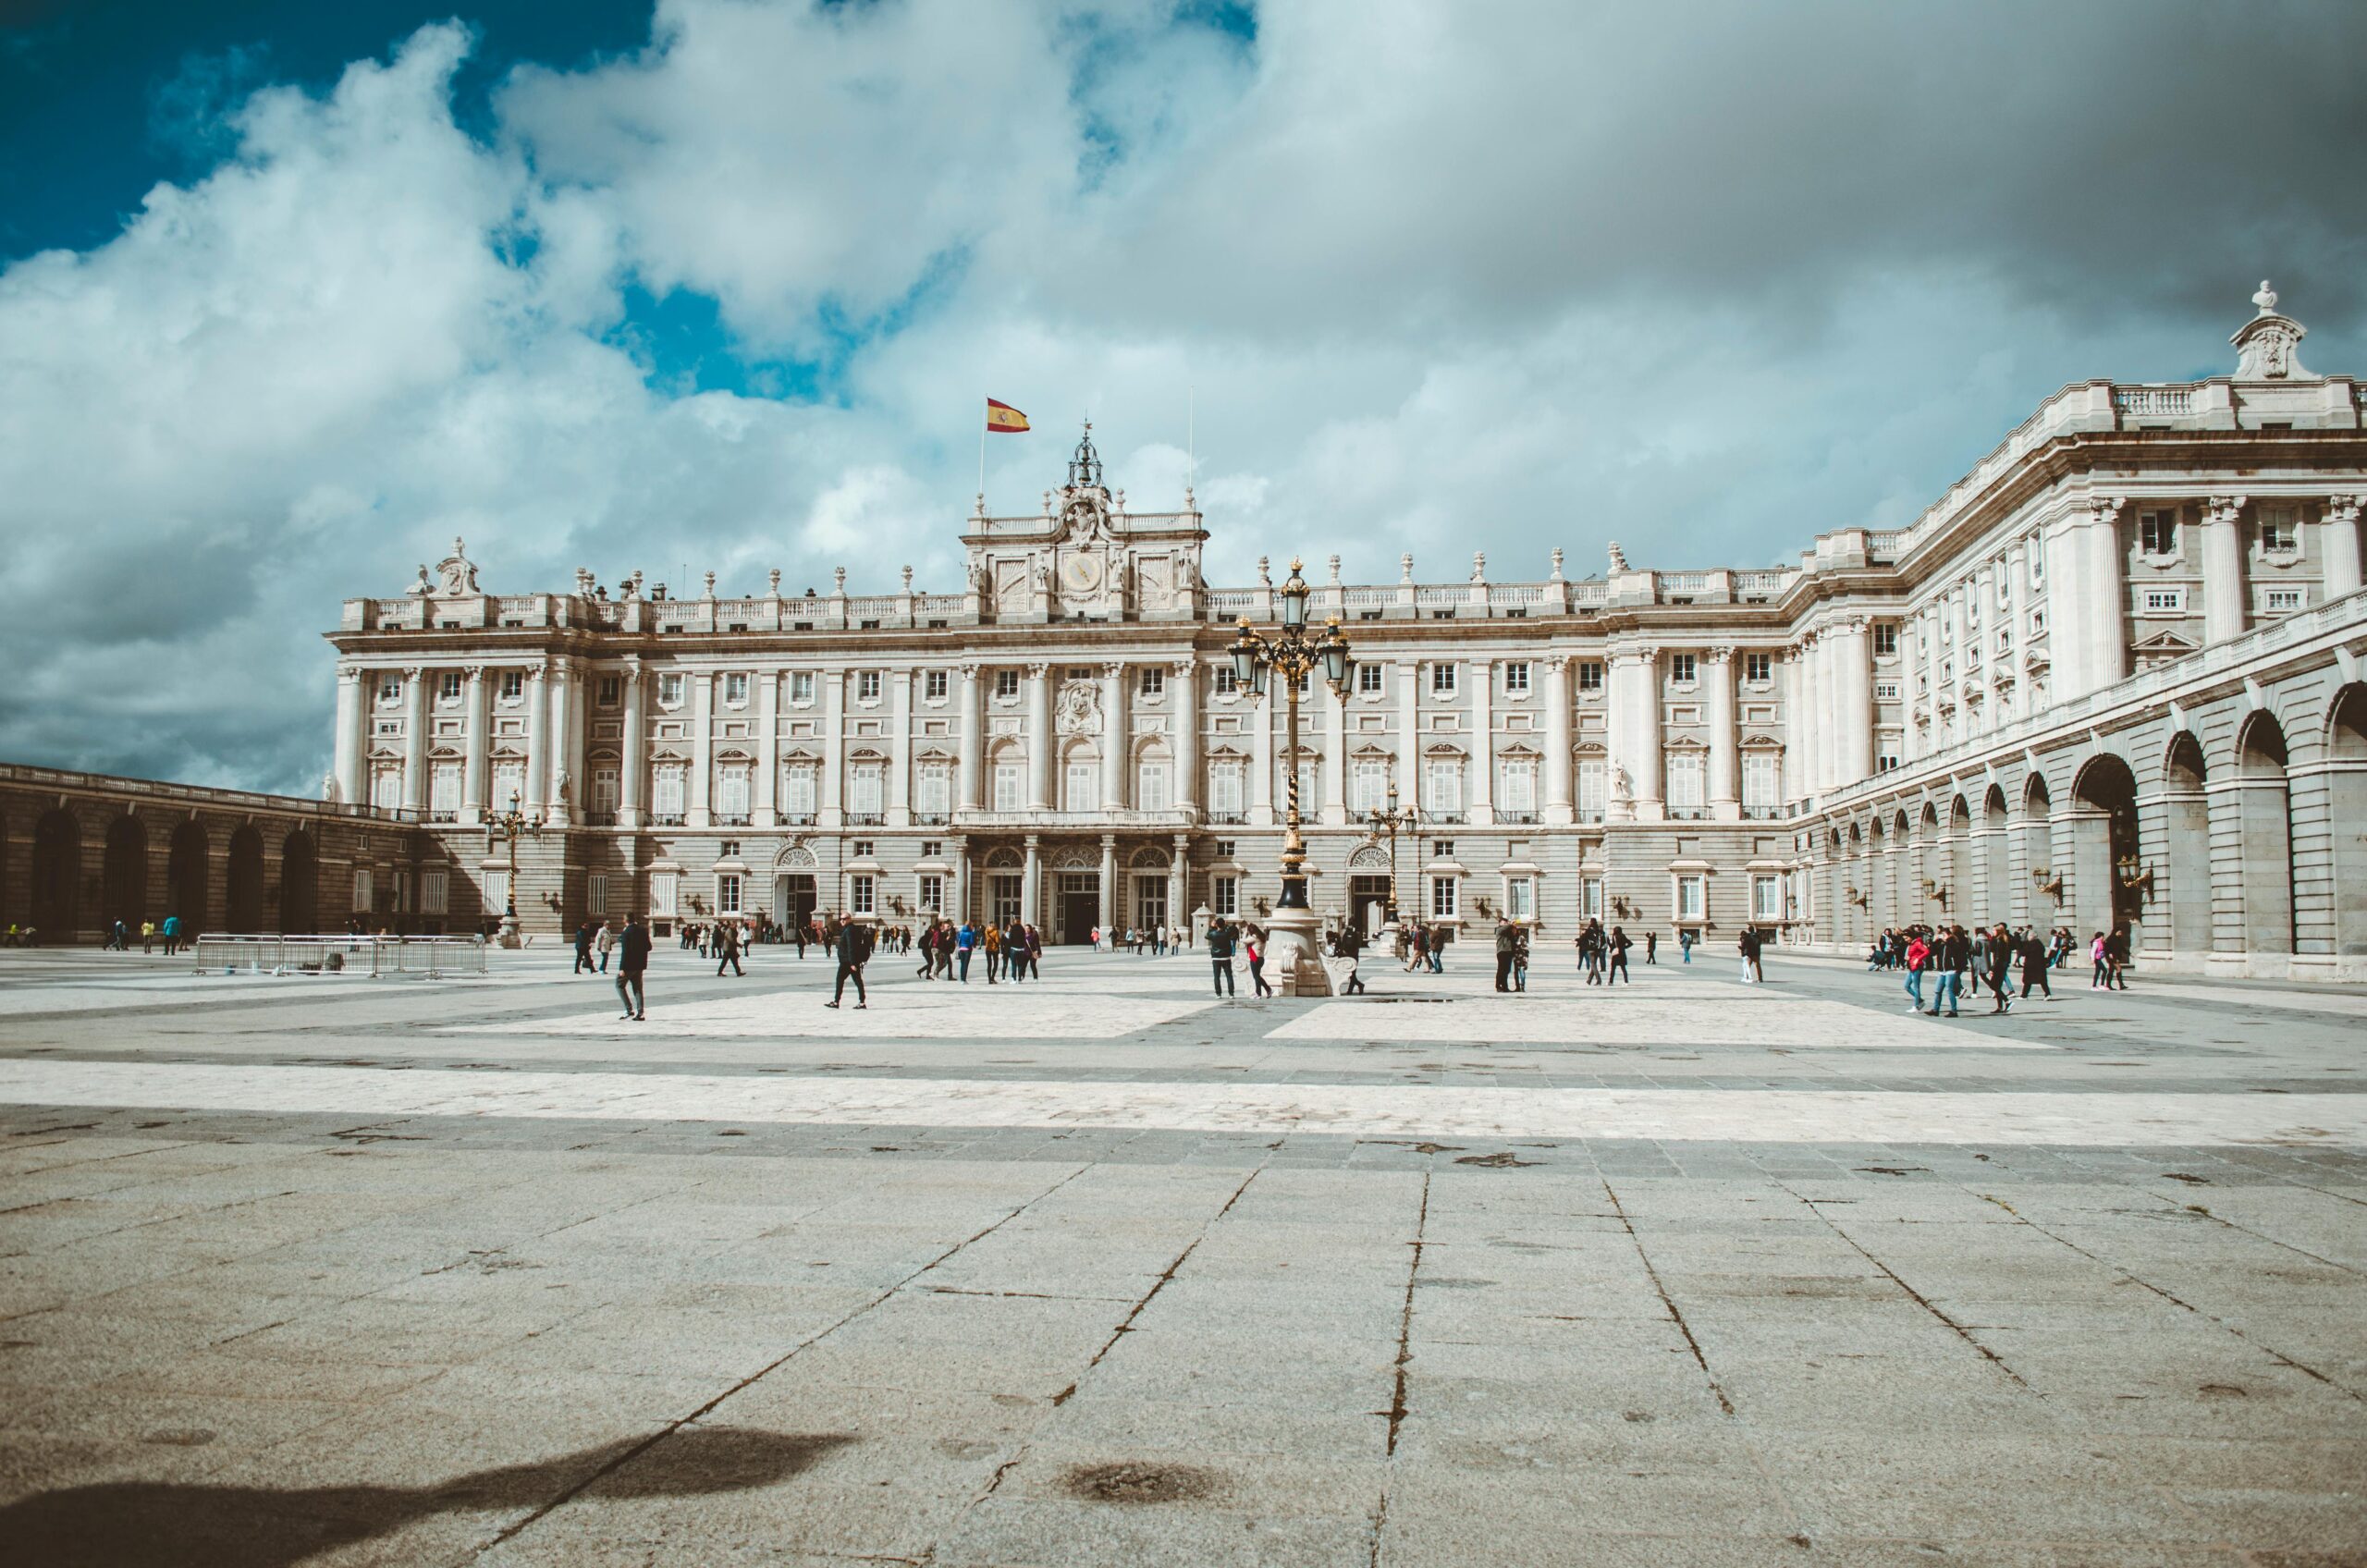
{"points": [[797, 819], [1228, 819], [932, 818], [443, 814], [732, 819], [665, 819], [1443, 818], [1520, 818], [599, 819], [866, 819]]}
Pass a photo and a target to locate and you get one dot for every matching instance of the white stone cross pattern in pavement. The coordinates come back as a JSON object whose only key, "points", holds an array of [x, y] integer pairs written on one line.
{"points": [[1364, 1110]]}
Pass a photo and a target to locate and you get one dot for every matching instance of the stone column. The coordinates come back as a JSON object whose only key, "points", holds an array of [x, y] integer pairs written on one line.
{"points": [[900, 748], [1040, 738], [2225, 614], [538, 746], [764, 805], [1031, 884], [1636, 691], [352, 737], [1178, 859], [414, 739], [559, 791], [2340, 550], [1260, 718], [633, 790], [1114, 738], [702, 791], [1409, 735], [1106, 911], [959, 910], [834, 747], [1556, 782], [1853, 687], [1482, 674], [1725, 768], [480, 741], [1792, 771], [974, 739], [1335, 751], [2104, 612], [1184, 699], [1826, 662]]}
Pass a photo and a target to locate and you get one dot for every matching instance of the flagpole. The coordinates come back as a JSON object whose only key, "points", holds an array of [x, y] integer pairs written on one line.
{"points": [[982, 468]]}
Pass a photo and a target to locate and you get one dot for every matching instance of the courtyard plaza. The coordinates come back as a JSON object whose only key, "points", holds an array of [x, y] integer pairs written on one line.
{"points": [[1103, 1269]]}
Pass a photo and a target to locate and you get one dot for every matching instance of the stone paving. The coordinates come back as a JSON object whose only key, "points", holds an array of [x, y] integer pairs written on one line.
{"points": [[1107, 1271]]}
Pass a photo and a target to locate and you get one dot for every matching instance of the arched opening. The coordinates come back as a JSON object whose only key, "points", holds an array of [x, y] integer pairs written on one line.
{"points": [[1876, 887], [57, 875], [2264, 825], [300, 884], [123, 884], [2182, 880], [2346, 812], [1906, 898], [1928, 867], [2102, 836], [244, 884], [186, 881], [2046, 880], [1955, 874], [1996, 878]]}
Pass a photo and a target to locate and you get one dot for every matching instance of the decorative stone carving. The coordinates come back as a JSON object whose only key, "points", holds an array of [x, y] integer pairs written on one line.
{"points": [[456, 574], [1079, 709], [2266, 346]]}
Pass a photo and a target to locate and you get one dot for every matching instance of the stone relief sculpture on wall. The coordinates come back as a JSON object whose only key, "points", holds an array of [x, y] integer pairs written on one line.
{"points": [[1079, 711]]}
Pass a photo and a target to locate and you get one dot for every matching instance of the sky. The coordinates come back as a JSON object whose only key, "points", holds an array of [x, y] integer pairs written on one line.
{"points": [[292, 294]]}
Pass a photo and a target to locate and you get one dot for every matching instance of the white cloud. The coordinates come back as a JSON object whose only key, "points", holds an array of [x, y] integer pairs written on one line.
{"points": [[1491, 278]]}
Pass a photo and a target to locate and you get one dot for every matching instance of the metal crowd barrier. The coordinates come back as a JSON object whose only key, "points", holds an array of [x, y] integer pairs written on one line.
{"points": [[430, 958]]}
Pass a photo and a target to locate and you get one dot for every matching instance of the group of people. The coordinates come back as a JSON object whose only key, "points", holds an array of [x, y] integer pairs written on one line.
{"points": [[1160, 941], [1423, 946], [1992, 955], [1013, 950]]}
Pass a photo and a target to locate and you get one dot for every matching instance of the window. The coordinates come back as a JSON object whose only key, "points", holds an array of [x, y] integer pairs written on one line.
{"points": [[1150, 784], [866, 686], [727, 893], [1681, 668], [1222, 849], [1685, 785], [1759, 669], [1225, 683], [1443, 678], [1008, 785], [1766, 899], [934, 794], [497, 891], [1520, 898], [1885, 691], [1590, 898], [1885, 640], [867, 790], [735, 689], [1154, 682], [1006, 683], [862, 848], [665, 892], [801, 686], [1689, 897], [1224, 895], [932, 848], [859, 893], [1442, 615], [2277, 535], [605, 785], [513, 685], [797, 789], [611, 692], [2164, 601], [731, 794], [508, 782], [1443, 788], [669, 689], [1591, 777], [934, 685], [1759, 783], [595, 893], [1590, 675], [444, 790], [2282, 599], [1368, 679], [1441, 849], [390, 688], [1083, 790], [666, 800], [1519, 792], [1225, 787], [1517, 679], [1371, 784], [448, 686], [1443, 900], [1884, 763], [363, 888], [930, 893]]}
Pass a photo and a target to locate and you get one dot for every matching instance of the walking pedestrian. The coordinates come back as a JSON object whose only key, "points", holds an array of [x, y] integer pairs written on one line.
{"points": [[2034, 965], [1685, 945], [1652, 948], [854, 949], [1253, 946], [1919, 958], [1997, 965], [583, 964], [727, 949], [1616, 945], [632, 961]]}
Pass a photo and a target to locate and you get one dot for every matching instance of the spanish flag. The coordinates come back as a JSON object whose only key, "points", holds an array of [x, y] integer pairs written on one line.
{"points": [[1004, 419]]}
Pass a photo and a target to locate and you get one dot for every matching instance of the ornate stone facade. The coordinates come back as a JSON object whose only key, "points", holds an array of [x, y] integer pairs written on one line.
{"points": [[2119, 653]]}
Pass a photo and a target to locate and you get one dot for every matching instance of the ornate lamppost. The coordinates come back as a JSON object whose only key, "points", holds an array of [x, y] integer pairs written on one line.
{"points": [[509, 826], [1292, 654], [1387, 823]]}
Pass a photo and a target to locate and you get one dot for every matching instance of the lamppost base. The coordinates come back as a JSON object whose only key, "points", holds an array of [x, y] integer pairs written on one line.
{"points": [[1295, 954], [510, 938]]}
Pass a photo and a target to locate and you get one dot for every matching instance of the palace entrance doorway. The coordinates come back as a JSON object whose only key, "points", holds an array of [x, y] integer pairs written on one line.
{"points": [[1367, 902], [793, 898], [1077, 908]]}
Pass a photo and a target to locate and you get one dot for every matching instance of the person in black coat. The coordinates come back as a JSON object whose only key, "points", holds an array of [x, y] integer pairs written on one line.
{"points": [[854, 951], [632, 961]]}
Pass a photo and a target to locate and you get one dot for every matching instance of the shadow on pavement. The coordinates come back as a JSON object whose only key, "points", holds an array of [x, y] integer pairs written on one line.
{"points": [[139, 1523]]}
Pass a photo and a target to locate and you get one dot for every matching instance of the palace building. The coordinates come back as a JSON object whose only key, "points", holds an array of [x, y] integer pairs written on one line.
{"points": [[2112, 675]]}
